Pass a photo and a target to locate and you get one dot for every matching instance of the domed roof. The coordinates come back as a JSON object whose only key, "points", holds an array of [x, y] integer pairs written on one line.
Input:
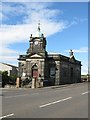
{"points": [[38, 33]]}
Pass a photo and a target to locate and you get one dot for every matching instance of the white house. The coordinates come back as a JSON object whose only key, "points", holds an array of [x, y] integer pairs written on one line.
{"points": [[12, 70]]}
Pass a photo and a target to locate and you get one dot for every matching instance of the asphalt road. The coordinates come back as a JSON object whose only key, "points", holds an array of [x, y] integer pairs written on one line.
{"points": [[70, 101]]}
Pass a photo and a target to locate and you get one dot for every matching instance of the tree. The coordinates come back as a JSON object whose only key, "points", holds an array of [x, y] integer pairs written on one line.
{"points": [[10, 80], [5, 78]]}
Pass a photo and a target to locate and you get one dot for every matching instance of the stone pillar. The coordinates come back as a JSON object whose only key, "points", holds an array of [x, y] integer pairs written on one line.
{"points": [[33, 82], [57, 79], [37, 84], [42, 69], [18, 82], [41, 83], [39, 80]]}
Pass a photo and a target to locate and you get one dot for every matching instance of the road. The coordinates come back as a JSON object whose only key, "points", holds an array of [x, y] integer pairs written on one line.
{"points": [[70, 101]]}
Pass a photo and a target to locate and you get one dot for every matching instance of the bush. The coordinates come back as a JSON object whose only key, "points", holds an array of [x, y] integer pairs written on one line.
{"points": [[10, 80], [5, 78]]}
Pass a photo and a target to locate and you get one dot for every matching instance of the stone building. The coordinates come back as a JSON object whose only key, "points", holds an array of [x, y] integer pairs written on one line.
{"points": [[51, 69]]}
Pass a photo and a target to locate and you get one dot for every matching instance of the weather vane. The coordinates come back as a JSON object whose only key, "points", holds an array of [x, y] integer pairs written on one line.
{"points": [[39, 25]]}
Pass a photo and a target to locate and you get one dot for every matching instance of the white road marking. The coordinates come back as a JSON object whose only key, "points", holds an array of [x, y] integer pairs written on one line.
{"points": [[21, 95], [55, 102], [16, 96], [6, 116], [85, 93]]}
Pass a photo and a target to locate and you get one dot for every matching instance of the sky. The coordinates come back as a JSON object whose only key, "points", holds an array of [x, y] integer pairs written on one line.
{"points": [[64, 24]]}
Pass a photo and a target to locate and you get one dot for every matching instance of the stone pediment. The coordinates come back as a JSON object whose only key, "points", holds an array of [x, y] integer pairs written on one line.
{"points": [[35, 55], [72, 59]]}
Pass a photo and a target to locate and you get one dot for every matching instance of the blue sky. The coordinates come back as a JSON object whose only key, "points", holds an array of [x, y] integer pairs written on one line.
{"points": [[65, 25]]}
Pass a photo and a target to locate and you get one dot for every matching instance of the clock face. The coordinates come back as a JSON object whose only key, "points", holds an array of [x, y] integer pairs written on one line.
{"points": [[36, 42]]}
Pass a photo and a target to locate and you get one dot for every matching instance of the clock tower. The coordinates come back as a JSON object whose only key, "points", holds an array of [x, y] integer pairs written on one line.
{"points": [[37, 43], [39, 68]]}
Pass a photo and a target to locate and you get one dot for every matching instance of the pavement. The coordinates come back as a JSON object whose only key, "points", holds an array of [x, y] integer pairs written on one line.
{"points": [[67, 101]]}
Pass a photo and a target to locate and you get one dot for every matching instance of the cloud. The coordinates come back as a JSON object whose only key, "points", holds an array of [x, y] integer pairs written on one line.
{"points": [[17, 33], [9, 59], [21, 29], [45, 1], [28, 11], [20, 33], [81, 50], [84, 68], [8, 55], [11, 12], [20, 20], [31, 14], [33, 1], [8, 51], [84, 71], [76, 21], [80, 20]]}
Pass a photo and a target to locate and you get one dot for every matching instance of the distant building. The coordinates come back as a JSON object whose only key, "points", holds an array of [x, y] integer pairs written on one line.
{"points": [[52, 69], [85, 78], [12, 70]]}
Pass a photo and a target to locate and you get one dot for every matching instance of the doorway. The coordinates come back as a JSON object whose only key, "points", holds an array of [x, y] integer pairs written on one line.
{"points": [[35, 71], [35, 74]]}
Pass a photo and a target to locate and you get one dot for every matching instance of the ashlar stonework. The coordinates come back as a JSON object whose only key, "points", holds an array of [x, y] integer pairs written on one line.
{"points": [[47, 69]]}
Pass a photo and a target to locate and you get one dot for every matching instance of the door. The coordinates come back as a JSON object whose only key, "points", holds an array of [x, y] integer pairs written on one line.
{"points": [[35, 71]]}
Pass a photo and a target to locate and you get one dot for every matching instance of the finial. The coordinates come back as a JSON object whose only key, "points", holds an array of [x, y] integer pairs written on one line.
{"points": [[71, 53], [39, 25]]}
